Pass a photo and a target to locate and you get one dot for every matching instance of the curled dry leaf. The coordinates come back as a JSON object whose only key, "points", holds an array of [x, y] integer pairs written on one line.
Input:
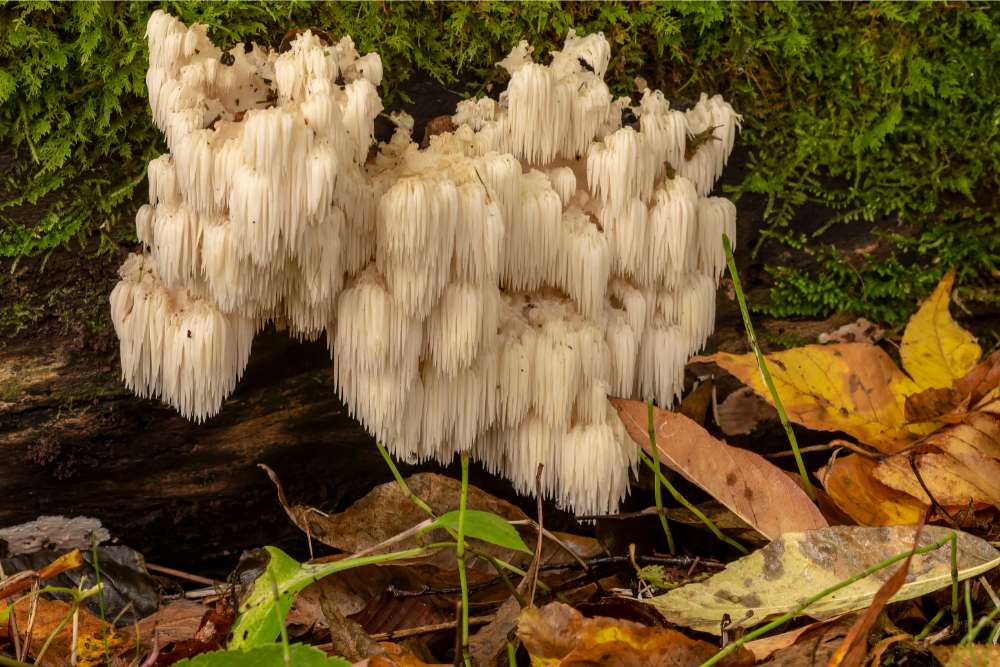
{"points": [[935, 350], [960, 464], [851, 483], [849, 387], [755, 490], [774, 580], [560, 636]]}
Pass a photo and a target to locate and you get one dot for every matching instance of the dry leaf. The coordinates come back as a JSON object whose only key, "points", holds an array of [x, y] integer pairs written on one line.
{"points": [[742, 411], [935, 350], [559, 635], [695, 405], [814, 646], [754, 489], [849, 387], [766, 646], [851, 483], [858, 331], [773, 580], [854, 649], [91, 633]]}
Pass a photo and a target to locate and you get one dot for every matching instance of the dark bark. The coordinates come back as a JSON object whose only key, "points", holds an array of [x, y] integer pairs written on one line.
{"points": [[74, 441]]}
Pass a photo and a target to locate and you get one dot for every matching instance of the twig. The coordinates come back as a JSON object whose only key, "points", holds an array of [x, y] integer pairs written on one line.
{"points": [[657, 491], [178, 574], [934, 502], [762, 365], [763, 630]]}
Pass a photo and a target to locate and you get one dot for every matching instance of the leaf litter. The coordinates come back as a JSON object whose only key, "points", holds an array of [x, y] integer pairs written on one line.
{"points": [[921, 439]]}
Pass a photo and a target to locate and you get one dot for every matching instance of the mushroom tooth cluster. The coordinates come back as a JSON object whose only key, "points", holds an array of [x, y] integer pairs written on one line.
{"points": [[483, 294]]}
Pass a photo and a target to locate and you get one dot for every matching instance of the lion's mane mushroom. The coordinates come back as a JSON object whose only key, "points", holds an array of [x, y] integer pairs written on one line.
{"points": [[483, 294]]}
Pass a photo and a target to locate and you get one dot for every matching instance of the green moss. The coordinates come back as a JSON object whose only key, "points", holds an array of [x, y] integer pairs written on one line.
{"points": [[879, 111]]}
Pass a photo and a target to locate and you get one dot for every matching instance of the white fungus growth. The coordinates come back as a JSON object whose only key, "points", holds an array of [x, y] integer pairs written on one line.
{"points": [[483, 294]]}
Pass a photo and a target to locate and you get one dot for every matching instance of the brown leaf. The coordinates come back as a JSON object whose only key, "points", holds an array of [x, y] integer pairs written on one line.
{"points": [[814, 646], [766, 646], [742, 411], [174, 622], [946, 405], [754, 489], [852, 486], [849, 387], [558, 635], [491, 639], [854, 649]]}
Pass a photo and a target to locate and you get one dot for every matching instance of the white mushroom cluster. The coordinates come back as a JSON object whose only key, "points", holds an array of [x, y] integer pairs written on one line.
{"points": [[484, 294]]}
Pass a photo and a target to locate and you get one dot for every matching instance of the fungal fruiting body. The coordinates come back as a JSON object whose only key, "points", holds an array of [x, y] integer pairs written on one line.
{"points": [[483, 294]]}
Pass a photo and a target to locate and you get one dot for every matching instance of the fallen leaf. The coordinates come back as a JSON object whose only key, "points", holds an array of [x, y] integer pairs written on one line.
{"points": [[695, 405], [854, 649], [858, 331], [764, 647], [773, 580], [852, 486], [299, 655], [849, 387], [742, 411], [91, 633], [814, 645], [974, 655], [936, 351], [754, 489], [385, 512], [174, 622], [724, 519], [491, 639], [559, 635]]}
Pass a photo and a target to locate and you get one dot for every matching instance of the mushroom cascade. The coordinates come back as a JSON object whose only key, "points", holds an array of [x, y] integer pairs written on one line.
{"points": [[483, 294]]}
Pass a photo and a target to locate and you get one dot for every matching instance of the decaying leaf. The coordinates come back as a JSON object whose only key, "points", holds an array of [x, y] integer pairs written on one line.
{"points": [[91, 650], [754, 489], [559, 635], [851, 387], [767, 645], [773, 580], [935, 350], [814, 645], [851, 483], [742, 411]]}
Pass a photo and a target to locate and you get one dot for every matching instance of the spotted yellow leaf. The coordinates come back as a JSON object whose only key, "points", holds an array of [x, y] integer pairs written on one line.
{"points": [[851, 387]]}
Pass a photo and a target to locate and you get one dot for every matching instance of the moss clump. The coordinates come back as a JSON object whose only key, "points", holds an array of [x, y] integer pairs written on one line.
{"points": [[883, 112]]}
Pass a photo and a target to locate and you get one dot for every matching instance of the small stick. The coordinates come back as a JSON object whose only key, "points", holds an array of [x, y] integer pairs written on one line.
{"points": [[178, 574]]}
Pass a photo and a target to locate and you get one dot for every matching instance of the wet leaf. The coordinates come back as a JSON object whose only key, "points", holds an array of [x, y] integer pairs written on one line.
{"points": [[272, 655], [773, 580], [484, 526], [851, 484], [755, 490], [935, 350], [558, 635], [849, 387]]}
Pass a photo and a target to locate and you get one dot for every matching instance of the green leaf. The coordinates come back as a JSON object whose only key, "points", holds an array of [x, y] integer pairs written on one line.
{"points": [[300, 655], [262, 612], [484, 526]]}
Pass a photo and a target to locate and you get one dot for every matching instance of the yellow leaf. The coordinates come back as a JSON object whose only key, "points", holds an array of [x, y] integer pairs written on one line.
{"points": [[851, 483], [935, 350], [849, 387]]}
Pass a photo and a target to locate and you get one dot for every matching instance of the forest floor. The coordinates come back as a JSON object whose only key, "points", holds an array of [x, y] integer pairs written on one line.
{"points": [[193, 502]]}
